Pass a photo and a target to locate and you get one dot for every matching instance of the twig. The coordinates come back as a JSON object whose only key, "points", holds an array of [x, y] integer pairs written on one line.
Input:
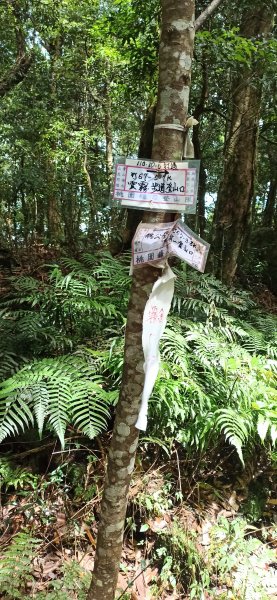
{"points": [[136, 577], [179, 472]]}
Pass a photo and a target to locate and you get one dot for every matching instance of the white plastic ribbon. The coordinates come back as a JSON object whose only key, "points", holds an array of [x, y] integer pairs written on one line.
{"points": [[154, 322]]}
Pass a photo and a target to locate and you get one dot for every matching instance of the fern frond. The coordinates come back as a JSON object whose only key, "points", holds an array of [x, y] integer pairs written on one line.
{"points": [[90, 408], [9, 363], [15, 415], [234, 426], [59, 391], [174, 347], [16, 564], [48, 389]]}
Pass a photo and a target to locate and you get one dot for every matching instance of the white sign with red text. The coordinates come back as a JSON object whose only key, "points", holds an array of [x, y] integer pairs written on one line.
{"points": [[154, 322], [153, 185]]}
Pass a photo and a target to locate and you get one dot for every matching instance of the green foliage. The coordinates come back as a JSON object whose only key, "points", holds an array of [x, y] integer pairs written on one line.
{"points": [[78, 301], [181, 560], [219, 371], [16, 566], [231, 555], [233, 560], [16, 573], [74, 583], [236, 49], [60, 390], [70, 306], [15, 477]]}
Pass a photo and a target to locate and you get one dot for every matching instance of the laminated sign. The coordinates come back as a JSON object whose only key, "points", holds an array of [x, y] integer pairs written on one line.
{"points": [[154, 243], [152, 185]]}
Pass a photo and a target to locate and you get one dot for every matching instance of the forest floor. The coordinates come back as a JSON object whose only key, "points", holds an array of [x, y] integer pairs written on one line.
{"points": [[191, 531]]}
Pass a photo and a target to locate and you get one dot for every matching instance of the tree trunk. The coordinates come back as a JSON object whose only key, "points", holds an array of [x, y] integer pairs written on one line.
{"points": [[197, 113], [269, 211], [109, 136], [176, 48], [144, 151], [53, 212], [53, 208], [24, 59], [233, 207]]}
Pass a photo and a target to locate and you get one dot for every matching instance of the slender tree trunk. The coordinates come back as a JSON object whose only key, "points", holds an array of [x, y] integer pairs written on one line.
{"points": [[53, 212], [209, 10], [144, 151], [24, 59], [233, 207], [176, 48], [109, 136], [269, 211], [40, 216], [53, 208], [197, 113]]}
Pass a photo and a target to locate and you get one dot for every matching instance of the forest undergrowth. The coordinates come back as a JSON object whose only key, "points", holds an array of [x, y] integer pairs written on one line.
{"points": [[200, 520]]}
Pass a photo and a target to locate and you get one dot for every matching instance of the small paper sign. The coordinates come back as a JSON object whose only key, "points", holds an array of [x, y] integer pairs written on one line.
{"points": [[152, 185], [153, 243]]}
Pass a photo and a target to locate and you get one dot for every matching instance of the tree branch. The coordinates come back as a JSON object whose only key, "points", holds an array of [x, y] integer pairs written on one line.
{"points": [[19, 33], [206, 13], [16, 74], [23, 59]]}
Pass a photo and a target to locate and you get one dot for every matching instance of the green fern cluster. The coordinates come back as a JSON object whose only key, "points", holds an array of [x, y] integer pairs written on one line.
{"points": [[16, 566], [77, 301], [15, 477], [219, 370], [16, 573], [58, 391], [218, 373]]}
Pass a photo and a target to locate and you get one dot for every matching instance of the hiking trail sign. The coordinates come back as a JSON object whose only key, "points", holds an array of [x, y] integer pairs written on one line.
{"points": [[152, 185], [155, 243]]}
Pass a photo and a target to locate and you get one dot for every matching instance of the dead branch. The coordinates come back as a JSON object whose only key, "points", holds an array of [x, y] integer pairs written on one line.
{"points": [[206, 13]]}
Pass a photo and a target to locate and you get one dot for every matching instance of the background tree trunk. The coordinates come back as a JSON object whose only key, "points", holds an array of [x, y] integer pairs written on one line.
{"points": [[175, 58], [24, 59], [236, 190], [144, 151], [197, 113], [269, 211]]}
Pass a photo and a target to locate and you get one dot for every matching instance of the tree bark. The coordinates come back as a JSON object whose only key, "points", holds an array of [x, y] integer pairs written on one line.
{"points": [[175, 58], [109, 136], [269, 211], [197, 113], [233, 207], [53, 208], [17, 73]]}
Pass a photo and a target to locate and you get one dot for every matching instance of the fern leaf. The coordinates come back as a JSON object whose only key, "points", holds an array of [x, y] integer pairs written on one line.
{"points": [[16, 564], [234, 427], [40, 395], [59, 391], [89, 408], [15, 415]]}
